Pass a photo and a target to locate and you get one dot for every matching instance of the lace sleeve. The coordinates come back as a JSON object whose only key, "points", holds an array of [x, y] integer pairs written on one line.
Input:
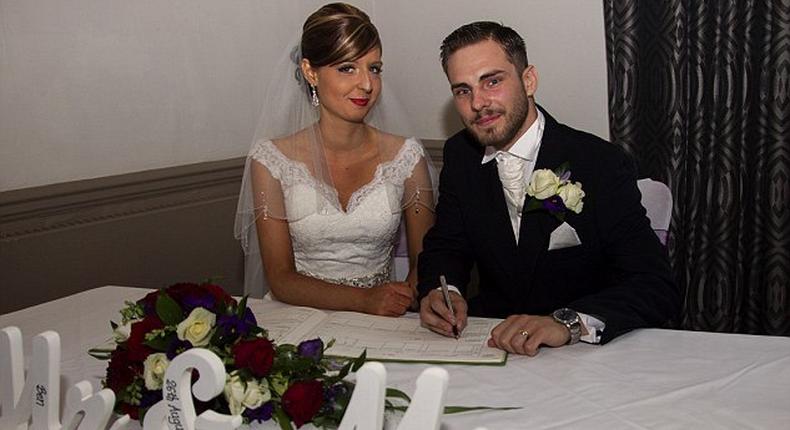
{"points": [[420, 186], [260, 196], [264, 173]]}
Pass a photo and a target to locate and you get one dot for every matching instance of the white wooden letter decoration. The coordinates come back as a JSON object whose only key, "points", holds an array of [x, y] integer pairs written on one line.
{"points": [[33, 402]]}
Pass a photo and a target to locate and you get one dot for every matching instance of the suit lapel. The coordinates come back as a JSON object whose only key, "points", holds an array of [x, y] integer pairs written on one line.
{"points": [[536, 226]]}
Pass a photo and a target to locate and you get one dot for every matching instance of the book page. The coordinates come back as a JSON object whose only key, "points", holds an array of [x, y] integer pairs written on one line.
{"points": [[403, 339], [288, 325]]}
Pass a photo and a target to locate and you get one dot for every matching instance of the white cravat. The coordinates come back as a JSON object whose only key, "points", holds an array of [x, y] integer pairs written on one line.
{"points": [[511, 174], [515, 165]]}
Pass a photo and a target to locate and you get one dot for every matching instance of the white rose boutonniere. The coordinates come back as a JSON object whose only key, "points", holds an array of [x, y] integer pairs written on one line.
{"points": [[197, 327], [544, 184], [572, 195], [554, 192]]}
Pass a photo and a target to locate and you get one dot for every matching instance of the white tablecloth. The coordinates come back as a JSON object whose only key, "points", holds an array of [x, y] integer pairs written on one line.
{"points": [[648, 379]]}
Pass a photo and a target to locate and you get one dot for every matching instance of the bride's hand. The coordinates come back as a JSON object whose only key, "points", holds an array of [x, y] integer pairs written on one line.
{"points": [[390, 299]]}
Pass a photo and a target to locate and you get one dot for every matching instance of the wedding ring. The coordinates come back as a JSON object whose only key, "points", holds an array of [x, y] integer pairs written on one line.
{"points": [[524, 333]]}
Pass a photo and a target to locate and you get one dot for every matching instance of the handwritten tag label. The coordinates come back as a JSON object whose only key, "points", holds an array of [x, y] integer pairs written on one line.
{"points": [[41, 395]]}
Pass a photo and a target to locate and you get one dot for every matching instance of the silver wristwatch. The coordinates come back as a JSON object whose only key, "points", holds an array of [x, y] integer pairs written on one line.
{"points": [[570, 319]]}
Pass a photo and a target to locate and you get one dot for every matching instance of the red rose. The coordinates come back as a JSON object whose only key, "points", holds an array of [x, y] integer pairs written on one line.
{"points": [[178, 291], [138, 351], [302, 400], [219, 294], [256, 354], [121, 371]]}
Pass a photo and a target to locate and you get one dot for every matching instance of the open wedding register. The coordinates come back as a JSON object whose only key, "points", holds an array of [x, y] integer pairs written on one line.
{"points": [[384, 338]]}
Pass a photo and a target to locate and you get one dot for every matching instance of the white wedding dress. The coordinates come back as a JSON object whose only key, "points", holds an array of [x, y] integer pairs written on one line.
{"points": [[352, 247]]}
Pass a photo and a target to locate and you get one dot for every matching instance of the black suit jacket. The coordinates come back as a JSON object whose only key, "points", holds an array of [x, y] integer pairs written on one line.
{"points": [[619, 274]]}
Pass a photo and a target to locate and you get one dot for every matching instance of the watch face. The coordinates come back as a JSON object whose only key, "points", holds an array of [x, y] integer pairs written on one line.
{"points": [[565, 314]]}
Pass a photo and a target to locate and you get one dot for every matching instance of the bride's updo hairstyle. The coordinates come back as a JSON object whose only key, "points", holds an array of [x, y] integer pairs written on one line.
{"points": [[337, 32]]}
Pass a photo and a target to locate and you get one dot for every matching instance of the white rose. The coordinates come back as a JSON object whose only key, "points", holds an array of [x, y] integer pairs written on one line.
{"points": [[242, 395], [544, 184], [234, 393], [257, 393], [197, 327], [154, 369], [572, 194], [122, 332]]}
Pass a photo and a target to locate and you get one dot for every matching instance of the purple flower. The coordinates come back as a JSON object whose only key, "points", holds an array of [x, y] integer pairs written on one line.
{"points": [[176, 347], [311, 349], [335, 398], [150, 398], [232, 324], [334, 391], [554, 204], [565, 175], [192, 301], [261, 414]]}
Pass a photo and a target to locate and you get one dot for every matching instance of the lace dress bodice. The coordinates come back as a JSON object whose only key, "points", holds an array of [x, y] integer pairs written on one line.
{"points": [[351, 247]]}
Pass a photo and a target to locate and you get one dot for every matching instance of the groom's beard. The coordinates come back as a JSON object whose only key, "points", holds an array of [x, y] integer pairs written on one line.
{"points": [[504, 133]]}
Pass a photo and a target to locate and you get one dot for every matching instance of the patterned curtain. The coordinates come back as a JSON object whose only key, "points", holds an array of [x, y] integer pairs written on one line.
{"points": [[698, 93]]}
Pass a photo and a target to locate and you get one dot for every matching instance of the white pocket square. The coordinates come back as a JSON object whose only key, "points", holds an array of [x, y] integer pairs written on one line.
{"points": [[563, 236]]}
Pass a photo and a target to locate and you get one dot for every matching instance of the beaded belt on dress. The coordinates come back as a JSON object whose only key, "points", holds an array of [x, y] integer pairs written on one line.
{"points": [[367, 281]]}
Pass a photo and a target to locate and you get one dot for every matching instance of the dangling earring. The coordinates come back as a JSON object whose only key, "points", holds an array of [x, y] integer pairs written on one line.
{"points": [[314, 96]]}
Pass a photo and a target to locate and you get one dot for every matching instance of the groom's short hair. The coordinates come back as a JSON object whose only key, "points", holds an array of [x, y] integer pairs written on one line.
{"points": [[510, 41]]}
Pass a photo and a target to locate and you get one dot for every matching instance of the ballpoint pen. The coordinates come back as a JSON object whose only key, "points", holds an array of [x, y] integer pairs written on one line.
{"points": [[446, 293]]}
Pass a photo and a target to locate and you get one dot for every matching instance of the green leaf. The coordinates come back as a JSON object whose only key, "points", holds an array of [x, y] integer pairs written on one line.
{"points": [[168, 310], [458, 409], [100, 354], [560, 216], [159, 343], [532, 204], [359, 361], [564, 167], [398, 394], [242, 307], [345, 370], [282, 419]]}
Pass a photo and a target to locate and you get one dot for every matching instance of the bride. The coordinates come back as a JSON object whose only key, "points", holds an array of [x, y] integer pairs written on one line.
{"points": [[326, 188]]}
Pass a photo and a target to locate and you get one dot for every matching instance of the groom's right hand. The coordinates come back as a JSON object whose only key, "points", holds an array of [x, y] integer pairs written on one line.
{"points": [[436, 316]]}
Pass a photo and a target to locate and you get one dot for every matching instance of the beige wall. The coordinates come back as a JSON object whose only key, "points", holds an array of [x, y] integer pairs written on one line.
{"points": [[92, 88]]}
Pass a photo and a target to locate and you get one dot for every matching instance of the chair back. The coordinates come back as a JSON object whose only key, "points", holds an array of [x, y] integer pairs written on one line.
{"points": [[657, 201]]}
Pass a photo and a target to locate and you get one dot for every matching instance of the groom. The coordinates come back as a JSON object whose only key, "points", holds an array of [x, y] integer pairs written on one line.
{"points": [[550, 215]]}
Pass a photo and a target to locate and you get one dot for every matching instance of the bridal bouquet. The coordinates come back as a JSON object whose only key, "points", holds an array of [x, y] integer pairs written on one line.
{"points": [[287, 383]]}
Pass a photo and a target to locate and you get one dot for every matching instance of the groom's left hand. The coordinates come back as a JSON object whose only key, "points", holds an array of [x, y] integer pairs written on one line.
{"points": [[524, 334]]}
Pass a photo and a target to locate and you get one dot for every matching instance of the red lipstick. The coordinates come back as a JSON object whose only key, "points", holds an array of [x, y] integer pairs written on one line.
{"points": [[360, 102]]}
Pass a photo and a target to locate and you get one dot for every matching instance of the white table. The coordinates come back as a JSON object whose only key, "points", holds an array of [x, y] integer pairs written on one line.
{"points": [[648, 379]]}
